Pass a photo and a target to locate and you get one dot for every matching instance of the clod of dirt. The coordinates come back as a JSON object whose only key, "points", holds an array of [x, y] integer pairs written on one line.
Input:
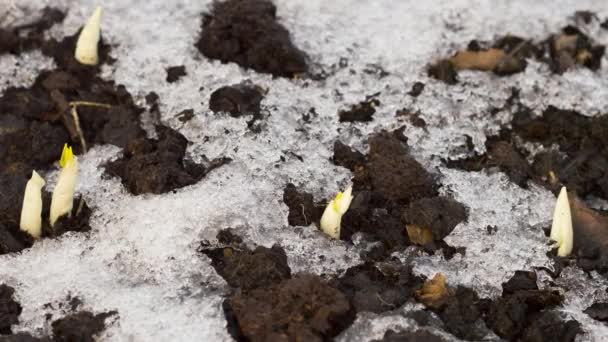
{"points": [[598, 311], [360, 112], [29, 36], [395, 174], [23, 337], [82, 326], [303, 308], [158, 166], [302, 208], [348, 157], [13, 239], [377, 287], [174, 73], [238, 99], [417, 89], [582, 139], [9, 309], [248, 33], [549, 326], [520, 281], [462, 314], [245, 269], [590, 236], [443, 70], [411, 336], [434, 293], [519, 308], [572, 47], [439, 214]]}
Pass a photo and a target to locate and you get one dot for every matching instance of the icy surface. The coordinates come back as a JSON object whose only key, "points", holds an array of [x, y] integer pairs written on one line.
{"points": [[140, 258]]}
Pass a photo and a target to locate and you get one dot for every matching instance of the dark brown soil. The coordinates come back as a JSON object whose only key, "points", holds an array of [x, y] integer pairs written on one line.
{"points": [[590, 236], [410, 336], [385, 182], [23, 337], [581, 163], [238, 99], [360, 112], [82, 326], [158, 165], [377, 287], [29, 36], [303, 308], [439, 214], [598, 311], [417, 89], [245, 269], [13, 239], [302, 209], [247, 32], [507, 55], [9, 309], [174, 73]]}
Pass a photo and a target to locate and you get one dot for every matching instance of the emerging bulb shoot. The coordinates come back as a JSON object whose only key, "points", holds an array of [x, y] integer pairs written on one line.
{"points": [[86, 46], [31, 220], [561, 229], [63, 195], [332, 216]]}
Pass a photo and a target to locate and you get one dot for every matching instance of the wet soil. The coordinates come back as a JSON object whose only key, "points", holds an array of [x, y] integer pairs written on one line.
{"points": [[580, 164], [174, 73], [267, 303], [377, 287], [81, 326], [410, 336], [29, 36], [522, 313], [238, 100], [391, 190], [9, 309], [360, 112], [249, 33], [507, 55], [158, 165]]}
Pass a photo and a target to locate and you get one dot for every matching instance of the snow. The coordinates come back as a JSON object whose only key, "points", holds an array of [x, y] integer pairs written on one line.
{"points": [[140, 258]]}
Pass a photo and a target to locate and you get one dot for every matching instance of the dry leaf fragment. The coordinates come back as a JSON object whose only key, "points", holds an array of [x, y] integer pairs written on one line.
{"points": [[419, 235], [434, 293], [486, 60]]}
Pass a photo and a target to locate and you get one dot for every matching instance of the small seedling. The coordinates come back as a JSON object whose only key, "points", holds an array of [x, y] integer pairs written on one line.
{"points": [[561, 229], [332, 216], [31, 212], [86, 46], [63, 195]]}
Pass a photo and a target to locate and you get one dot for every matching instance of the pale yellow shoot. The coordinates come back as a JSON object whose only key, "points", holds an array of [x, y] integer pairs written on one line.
{"points": [[86, 46], [63, 195], [31, 212], [561, 228], [332, 216]]}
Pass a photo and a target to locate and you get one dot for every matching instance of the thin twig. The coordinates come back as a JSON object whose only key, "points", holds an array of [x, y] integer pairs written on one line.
{"points": [[83, 143], [304, 214]]}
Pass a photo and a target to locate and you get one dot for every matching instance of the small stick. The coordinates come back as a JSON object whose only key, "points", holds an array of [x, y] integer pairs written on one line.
{"points": [[304, 214], [83, 143]]}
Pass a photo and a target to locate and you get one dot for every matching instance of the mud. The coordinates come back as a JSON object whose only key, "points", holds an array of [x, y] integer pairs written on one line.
{"points": [[249, 33], [158, 165]]}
